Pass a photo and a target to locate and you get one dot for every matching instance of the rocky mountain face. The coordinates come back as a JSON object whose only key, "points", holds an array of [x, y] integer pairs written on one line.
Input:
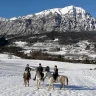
{"points": [[66, 19]]}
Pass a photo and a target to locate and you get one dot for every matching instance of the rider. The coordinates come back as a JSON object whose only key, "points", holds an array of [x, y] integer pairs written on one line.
{"points": [[55, 74], [47, 69], [40, 70], [28, 69]]}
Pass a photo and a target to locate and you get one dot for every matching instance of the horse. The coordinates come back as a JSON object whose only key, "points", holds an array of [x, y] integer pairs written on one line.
{"points": [[38, 79], [60, 79], [26, 77]]}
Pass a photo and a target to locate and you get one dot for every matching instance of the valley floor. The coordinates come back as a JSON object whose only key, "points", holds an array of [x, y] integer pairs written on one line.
{"points": [[82, 80]]}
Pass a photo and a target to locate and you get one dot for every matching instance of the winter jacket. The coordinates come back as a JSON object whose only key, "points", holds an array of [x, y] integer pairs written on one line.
{"points": [[28, 69], [47, 69], [40, 69], [56, 71]]}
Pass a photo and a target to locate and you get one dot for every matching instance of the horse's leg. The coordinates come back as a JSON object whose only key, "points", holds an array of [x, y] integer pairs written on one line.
{"points": [[24, 79], [43, 83], [62, 81], [28, 83], [25, 82], [49, 86], [61, 86], [66, 79], [39, 83], [53, 85]]}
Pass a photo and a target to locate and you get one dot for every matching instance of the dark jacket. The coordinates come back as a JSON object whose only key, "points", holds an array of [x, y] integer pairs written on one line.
{"points": [[28, 69], [47, 69], [55, 74], [40, 69], [56, 71]]}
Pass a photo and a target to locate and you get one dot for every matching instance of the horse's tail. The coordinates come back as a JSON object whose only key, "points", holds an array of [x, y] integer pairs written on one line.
{"points": [[67, 80]]}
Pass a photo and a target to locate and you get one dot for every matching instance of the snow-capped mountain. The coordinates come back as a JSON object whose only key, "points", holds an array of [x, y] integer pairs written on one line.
{"points": [[69, 19], [3, 19], [14, 18], [63, 11]]}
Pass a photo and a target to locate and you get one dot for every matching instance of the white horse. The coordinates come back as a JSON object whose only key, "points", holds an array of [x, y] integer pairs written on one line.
{"points": [[60, 79], [38, 79]]}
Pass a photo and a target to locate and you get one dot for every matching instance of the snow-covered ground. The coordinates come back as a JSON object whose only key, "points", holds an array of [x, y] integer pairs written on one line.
{"points": [[81, 48], [8, 56], [82, 80]]}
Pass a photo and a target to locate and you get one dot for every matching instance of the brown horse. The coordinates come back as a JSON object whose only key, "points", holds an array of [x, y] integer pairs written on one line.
{"points": [[26, 77]]}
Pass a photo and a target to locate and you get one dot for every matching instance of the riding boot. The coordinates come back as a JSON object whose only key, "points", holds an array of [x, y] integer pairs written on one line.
{"points": [[34, 78], [54, 76]]}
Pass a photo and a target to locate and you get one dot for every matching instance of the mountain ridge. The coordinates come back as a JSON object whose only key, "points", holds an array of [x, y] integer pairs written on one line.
{"points": [[61, 11], [67, 19]]}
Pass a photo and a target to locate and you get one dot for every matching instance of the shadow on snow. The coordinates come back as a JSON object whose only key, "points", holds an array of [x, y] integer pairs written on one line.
{"points": [[74, 87]]}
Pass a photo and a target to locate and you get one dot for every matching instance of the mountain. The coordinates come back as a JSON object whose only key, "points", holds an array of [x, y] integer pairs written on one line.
{"points": [[66, 19]]}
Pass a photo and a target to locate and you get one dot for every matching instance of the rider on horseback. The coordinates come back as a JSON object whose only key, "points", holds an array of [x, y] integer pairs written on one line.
{"points": [[55, 74], [28, 69], [40, 70], [47, 69]]}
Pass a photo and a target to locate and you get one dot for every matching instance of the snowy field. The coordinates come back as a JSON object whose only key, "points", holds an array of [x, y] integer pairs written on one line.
{"points": [[82, 80]]}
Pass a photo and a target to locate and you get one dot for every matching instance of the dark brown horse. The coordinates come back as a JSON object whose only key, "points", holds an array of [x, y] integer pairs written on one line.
{"points": [[26, 77]]}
